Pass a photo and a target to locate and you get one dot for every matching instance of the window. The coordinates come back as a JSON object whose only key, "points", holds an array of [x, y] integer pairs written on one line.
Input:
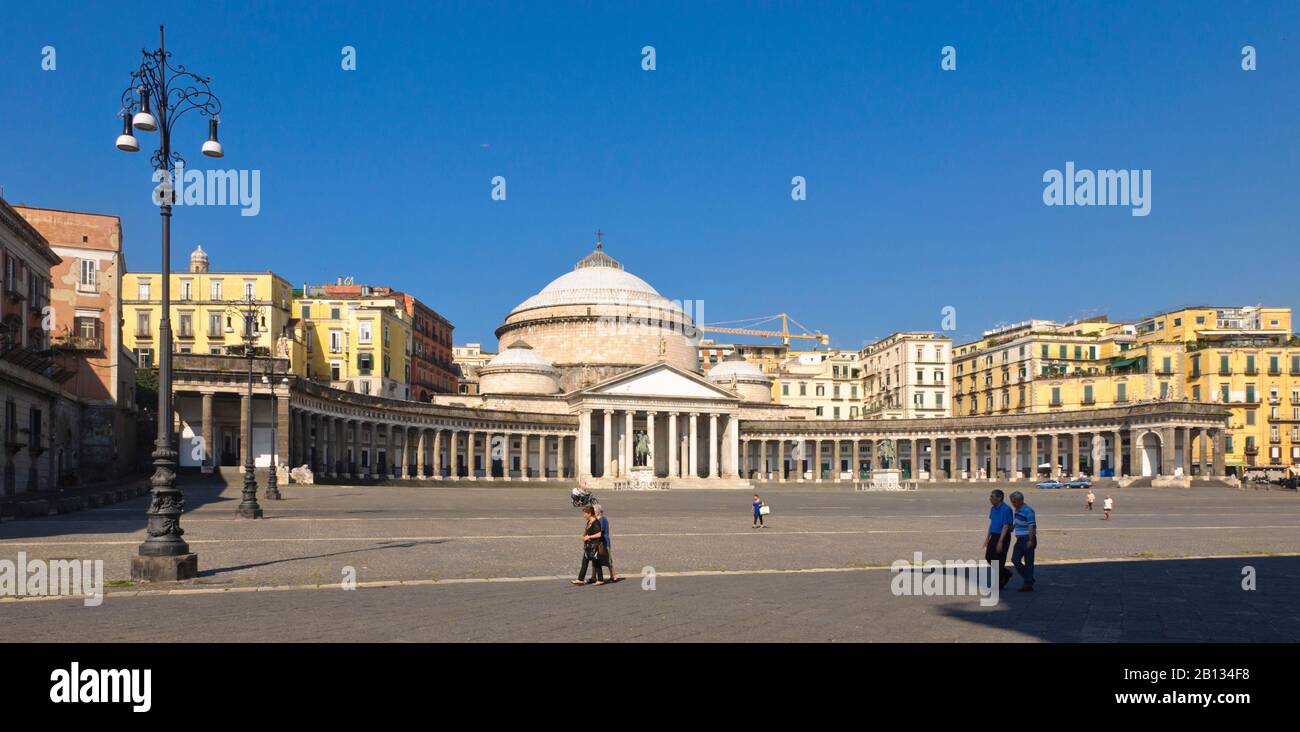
{"points": [[215, 350], [364, 331], [1056, 396], [88, 272], [187, 289], [1274, 367], [1250, 393], [1225, 365], [186, 329], [142, 289], [785, 390], [919, 399], [336, 370], [145, 357], [214, 324], [803, 389], [1225, 393], [1045, 351], [821, 390], [1196, 393], [142, 323], [336, 341], [216, 289], [1087, 394], [1167, 365], [1078, 353], [1121, 392], [920, 376], [1164, 390], [334, 312], [365, 362], [249, 287], [1250, 363], [305, 312], [938, 399], [1295, 365]]}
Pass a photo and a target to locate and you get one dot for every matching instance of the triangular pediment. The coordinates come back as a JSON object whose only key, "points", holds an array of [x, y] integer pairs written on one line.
{"points": [[659, 380]]}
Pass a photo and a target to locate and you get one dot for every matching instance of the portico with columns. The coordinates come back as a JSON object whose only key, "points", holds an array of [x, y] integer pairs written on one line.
{"points": [[689, 427]]}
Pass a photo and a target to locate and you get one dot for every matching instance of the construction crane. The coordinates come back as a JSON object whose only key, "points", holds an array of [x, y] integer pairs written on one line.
{"points": [[751, 328]]}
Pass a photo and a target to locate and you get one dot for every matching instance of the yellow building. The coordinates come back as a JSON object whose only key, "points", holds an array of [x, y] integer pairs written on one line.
{"points": [[1144, 373], [1248, 358], [355, 340], [1003, 371], [205, 315], [828, 381]]}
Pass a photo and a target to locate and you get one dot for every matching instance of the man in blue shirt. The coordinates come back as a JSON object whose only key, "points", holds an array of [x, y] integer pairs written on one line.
{"points": [[1025, 525], [998, 538]]}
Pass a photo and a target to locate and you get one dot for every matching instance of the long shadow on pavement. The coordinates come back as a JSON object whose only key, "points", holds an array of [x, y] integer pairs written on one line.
{"points": [[1173, 600]]}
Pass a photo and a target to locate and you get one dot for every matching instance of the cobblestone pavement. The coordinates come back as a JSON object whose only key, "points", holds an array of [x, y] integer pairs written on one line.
{"points": [[501, 557]]}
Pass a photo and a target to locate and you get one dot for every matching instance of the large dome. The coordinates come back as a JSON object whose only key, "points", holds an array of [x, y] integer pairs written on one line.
{"points": [[598, 279], [600, 320]]}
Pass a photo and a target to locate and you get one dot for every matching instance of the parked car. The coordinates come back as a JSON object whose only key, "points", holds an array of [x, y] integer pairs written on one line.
{"points": [[1079, 483], [1052, 484]]}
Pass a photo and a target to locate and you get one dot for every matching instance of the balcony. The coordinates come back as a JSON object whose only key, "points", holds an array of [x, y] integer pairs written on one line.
{"points": [[1089, 401], [1225, 372], [77, 342], [1252, 372]]}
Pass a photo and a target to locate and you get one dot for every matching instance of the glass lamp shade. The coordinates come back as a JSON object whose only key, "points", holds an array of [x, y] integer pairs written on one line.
{"points": [[126, 141], [144, 119], [212, 148]]}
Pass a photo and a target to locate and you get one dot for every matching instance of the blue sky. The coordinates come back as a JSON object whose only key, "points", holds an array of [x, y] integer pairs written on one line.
{"points": [[924, 186]]}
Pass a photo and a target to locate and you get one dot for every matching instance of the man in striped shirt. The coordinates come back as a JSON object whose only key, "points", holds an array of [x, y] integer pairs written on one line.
{"points": [[1025, 526]]}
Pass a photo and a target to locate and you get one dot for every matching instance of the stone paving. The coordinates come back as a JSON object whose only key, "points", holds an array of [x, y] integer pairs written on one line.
{"points": [[491, 564]]}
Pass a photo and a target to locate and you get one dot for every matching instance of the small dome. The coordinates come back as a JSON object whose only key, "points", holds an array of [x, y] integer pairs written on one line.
{"points": [[519, 354], [199, 260], [736, 365]]}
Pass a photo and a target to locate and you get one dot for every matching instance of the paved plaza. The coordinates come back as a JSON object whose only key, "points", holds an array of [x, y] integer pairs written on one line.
{"points": [[493, 563]]}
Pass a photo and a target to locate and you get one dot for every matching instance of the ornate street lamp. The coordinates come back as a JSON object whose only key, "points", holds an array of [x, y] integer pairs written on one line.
{"points": [[248, 311], [164, 555], [273, 482]]}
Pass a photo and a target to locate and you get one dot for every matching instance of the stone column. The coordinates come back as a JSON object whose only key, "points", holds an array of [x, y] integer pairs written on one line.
{"points": [[606, 455], [1220, 453], [208, 445], [673, 446], [1187, 452], [694, 446], [835, 461], [713, 445], [1014, 467], [733, 445], [523, 456], [582, 451], [435, 461], [650, 432], [1117, 458], [245, 432], [952, 458], [1076, 459], [629, 457], [280, 418], [1203, 448], [915, 456], [453, 448], [797, 466], [1056, 470], [1167, 451], [562, 457]]}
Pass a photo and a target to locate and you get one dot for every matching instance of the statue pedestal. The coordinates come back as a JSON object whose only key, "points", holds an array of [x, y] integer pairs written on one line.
{"points": [[885, 480], [641, 477]]}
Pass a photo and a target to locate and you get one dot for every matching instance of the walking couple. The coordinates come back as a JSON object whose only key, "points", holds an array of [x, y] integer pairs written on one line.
{"points": [[595, 547]]}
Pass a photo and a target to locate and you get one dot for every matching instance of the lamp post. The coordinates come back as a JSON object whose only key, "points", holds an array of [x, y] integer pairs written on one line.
{"points": [[164, 555], [273, 482], [248, 312]]}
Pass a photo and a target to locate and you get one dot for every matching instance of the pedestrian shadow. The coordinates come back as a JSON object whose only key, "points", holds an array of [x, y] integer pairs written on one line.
{"points": [[1150, 601], [286, 560]]}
